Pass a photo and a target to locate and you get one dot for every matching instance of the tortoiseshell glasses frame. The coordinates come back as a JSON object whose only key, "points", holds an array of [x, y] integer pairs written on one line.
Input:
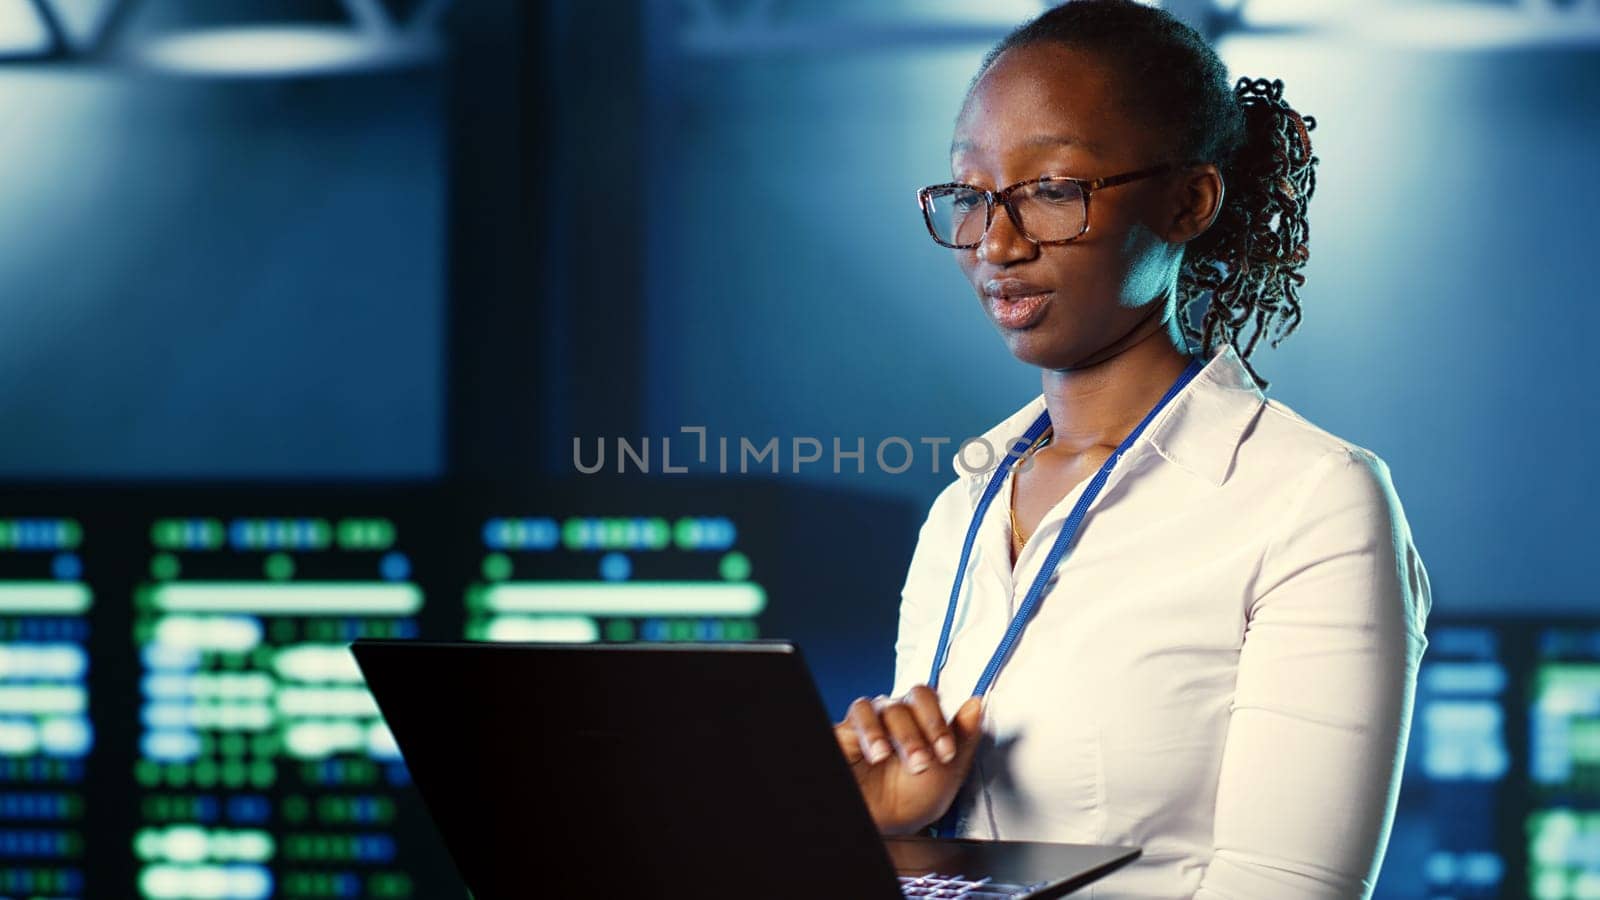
{"points": [[926, 197]]}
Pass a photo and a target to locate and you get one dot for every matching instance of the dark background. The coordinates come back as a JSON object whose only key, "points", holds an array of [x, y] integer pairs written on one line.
{"points": [[396, 273]]}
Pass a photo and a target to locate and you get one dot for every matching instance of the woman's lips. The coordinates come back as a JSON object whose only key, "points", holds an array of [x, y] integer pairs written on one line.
{"points": [[1020, 311]]}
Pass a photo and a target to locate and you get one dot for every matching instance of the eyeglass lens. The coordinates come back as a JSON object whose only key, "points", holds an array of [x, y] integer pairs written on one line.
{"points": [[1049, 210]]}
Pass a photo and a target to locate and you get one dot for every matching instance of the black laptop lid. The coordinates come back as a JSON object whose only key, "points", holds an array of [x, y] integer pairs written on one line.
{"points": [[560, 770]]}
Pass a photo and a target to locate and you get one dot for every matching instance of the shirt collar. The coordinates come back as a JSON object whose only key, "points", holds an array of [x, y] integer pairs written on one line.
{"points": [[1198, 431]]}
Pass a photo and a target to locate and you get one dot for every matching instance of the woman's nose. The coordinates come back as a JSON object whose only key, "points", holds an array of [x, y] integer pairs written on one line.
{"points": [[1004, 242]]}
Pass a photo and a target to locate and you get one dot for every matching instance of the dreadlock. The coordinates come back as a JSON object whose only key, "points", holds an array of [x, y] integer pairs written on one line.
{"points": [[1246, 266]]}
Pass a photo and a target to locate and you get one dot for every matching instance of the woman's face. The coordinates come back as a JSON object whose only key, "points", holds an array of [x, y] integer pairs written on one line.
{"points": [[1047, 109]]}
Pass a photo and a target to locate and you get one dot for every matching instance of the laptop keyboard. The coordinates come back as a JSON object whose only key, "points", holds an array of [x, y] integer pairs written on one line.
{"points": [[932, 885]]}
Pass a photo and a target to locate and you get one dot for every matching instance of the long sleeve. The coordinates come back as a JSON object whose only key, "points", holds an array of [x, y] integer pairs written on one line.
{"points": [[1322, 707], [922, 604]]}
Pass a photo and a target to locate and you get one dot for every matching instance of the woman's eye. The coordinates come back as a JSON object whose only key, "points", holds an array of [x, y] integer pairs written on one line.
{"points": [[964, 202], [1054, 194]]}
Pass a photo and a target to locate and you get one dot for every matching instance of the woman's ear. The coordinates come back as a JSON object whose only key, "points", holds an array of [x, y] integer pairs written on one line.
{"points": [[1198, 193]]}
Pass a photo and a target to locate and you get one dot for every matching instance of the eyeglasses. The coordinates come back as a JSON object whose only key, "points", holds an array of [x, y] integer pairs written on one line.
{"points": [[1053, 209]]}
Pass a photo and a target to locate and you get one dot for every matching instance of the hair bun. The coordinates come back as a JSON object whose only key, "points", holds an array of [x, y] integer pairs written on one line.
{"points": [[1262, 94]]}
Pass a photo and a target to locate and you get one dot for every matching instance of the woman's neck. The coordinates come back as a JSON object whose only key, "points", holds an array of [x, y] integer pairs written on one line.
{"points": [[1100, 402]]}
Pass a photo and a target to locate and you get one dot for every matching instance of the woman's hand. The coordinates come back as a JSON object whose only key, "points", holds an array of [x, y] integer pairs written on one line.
{"points": [[908, 761]]}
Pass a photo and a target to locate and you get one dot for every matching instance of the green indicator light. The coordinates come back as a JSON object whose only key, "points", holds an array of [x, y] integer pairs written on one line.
{"points": [[497, 567], [734, 567], [349, 534], [573, 532], [211, 533], [205, 773], [282, 631], [389, 884], [304, 598], [234, 773], [262, 773], [164, 567], [382, 534], [365, 534], [71, 533], [613, 533], [160, 533], [264, 744], [177, 774], [295, 808], [627, 599], [657, 534], [686, 534], [147, 772], [321, 533], [619, 630], [43, 597], [279, 567]]}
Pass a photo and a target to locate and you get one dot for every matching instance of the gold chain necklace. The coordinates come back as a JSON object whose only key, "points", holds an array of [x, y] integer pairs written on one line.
{"points": [[1018, 539]]}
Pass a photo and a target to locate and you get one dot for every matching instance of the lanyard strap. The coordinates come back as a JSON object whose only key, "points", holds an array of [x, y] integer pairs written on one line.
{"points": [[1057, 550]]}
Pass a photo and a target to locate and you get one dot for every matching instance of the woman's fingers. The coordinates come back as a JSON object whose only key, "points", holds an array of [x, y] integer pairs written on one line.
{"points": [[905, 732], [924, 704], [967, 727], [849, 742], [914, 727], [869, 729]]}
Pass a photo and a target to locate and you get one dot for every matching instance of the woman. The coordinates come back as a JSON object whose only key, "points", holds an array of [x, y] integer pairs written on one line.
{"points": [[1215, 608]]}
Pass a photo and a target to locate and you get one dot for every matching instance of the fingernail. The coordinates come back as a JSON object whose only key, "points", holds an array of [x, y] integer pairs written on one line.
{"points": [[879, 751], [919, 762], [946, 747]]}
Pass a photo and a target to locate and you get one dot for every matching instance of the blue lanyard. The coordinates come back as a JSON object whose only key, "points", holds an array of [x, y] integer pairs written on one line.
{"points": [[1057, 550]]}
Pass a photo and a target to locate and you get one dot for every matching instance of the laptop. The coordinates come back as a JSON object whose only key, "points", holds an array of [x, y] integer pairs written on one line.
{"points": [[665, 770]]}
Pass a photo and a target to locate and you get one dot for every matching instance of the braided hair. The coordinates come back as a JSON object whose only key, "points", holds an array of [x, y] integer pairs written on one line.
{"points": [[1246, 266]]}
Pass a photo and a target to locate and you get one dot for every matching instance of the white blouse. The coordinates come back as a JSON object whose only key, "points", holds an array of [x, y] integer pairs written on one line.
{"points": [[1222, 670]]}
